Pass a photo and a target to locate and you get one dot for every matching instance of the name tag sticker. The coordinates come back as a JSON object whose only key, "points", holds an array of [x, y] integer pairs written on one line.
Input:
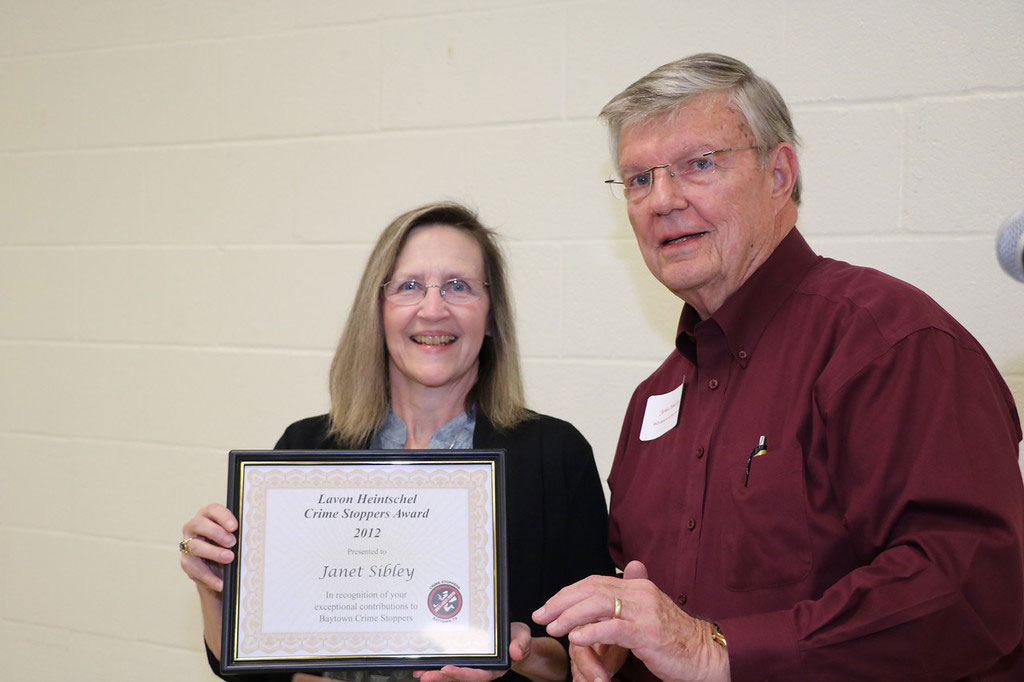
{"points": [[662, 413]]}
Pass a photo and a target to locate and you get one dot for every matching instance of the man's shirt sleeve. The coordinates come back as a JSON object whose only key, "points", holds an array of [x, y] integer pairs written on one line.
{"points": [[921, 448]]}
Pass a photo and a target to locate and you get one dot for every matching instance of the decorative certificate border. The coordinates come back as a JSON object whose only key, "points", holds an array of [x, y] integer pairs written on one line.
{"points": [[476, 476]]}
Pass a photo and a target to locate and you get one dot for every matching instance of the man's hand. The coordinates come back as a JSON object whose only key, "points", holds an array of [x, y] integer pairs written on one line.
{"points": [[596, 663], [672, 644], [540, 658], [599, 662]]}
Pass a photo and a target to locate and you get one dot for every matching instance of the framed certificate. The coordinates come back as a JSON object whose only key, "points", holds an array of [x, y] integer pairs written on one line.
{"points": [[368, 559]]}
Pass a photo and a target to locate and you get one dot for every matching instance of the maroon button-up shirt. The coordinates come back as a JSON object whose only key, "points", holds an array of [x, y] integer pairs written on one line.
{"points": [[880, 534]]}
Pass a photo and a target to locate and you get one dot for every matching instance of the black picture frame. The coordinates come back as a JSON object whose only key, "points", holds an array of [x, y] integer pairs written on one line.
{"points": [[492, 461]]}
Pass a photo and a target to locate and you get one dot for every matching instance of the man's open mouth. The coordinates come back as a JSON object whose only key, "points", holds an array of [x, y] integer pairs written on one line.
{"points": [[680, 240]]}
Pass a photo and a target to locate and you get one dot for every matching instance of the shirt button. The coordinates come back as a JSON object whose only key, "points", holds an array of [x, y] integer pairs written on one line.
{"points": [[691, 524], [700, 452], [681, 600], [742, 354], [713, 384]]}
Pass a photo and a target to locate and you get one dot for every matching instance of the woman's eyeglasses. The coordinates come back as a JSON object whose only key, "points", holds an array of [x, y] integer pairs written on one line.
{"points": [[458, 291]]}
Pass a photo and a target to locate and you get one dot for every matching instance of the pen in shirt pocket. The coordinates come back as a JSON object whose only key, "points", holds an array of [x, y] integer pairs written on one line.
{"points": [[758, 450]]}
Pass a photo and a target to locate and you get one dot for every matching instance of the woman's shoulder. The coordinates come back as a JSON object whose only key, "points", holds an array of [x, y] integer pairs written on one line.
{"points": [[545, 429], [546, 422], [311, 433]]}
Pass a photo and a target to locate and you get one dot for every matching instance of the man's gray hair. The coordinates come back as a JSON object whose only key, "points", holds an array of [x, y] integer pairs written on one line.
{"points": [[665, 90]]}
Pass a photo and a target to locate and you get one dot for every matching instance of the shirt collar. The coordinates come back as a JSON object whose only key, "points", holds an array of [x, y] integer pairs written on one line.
{"points": [[457, 434], [745, 314]]}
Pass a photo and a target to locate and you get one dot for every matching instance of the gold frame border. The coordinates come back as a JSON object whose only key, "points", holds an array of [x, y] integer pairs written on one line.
{"points": [[477, 587]]}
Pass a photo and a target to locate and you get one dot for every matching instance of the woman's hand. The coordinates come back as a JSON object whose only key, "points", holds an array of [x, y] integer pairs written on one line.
{"points": [[210, 531], [538, 658]]}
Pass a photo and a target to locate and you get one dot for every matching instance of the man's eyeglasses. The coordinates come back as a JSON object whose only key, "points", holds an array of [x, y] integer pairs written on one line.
{"points": [[699, 170], [459, 291]]}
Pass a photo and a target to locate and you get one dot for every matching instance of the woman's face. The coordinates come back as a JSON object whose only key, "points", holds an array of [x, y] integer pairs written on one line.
{"points": [[435, 344]]}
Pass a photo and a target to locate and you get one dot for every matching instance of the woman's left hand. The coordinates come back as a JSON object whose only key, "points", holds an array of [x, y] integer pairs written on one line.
{"points": [[520, 648]]}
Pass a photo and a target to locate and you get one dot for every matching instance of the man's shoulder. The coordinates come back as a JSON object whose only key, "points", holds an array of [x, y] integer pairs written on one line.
{"points": [[850, 293]]}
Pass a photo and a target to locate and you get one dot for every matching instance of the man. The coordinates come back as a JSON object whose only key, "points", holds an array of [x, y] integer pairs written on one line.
{"points": [[821, 481]]}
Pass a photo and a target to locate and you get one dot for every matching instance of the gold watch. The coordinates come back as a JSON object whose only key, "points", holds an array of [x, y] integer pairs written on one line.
{"points": [[716, 635]]}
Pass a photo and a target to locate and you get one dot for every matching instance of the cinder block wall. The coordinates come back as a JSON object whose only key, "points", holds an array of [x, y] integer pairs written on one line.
{"points": [[188, 191]]}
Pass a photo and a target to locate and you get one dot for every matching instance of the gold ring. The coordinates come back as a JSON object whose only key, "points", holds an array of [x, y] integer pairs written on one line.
{"points": [[617, 612], [183, 546]]}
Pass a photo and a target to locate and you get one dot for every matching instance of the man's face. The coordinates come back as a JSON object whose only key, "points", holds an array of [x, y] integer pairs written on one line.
{"points": [[701, 241]]}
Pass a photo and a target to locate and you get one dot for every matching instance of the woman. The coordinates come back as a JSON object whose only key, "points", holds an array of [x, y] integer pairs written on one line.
{"points": [[428, 359]]}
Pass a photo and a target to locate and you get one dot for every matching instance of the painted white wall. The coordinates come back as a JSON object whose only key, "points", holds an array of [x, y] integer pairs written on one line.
{"points": [[189, 188]]}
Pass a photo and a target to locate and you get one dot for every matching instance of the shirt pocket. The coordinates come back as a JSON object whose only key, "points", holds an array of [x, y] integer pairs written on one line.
{"points": [[768, 543]]}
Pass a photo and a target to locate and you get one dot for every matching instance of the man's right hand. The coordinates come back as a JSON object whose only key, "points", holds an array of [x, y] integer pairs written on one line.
{"points": [[632, 613]]}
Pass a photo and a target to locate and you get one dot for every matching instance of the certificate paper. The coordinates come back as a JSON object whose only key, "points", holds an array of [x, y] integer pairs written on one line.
{"points": [[366, 560]]}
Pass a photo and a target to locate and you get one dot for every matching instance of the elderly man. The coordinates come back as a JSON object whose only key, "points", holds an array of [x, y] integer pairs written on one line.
{"points": [[820, 482]]}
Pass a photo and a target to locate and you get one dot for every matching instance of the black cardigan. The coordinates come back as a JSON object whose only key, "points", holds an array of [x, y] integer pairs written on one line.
{"points": [[557, 520]]}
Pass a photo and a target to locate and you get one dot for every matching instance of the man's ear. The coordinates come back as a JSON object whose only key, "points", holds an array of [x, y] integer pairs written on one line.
{"points": [[785, 168]]}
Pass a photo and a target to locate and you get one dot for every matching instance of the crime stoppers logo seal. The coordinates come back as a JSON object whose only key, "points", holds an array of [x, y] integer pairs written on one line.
{"points": [[444, 600]]}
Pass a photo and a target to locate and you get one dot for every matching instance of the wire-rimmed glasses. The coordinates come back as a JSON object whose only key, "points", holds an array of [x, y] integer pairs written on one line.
{"points": [[697, 170], [459, 291]]}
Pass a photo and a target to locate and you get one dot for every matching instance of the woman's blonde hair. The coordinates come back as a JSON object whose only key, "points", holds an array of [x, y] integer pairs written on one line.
{"points": [[359, 385]]}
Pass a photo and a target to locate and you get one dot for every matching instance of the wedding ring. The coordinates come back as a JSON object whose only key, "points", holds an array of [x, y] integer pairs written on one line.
{"points": [[617, 612], [183, 546]]}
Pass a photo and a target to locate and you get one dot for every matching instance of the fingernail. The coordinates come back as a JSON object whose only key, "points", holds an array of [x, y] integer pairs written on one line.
{"points": [[539, 613]]}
